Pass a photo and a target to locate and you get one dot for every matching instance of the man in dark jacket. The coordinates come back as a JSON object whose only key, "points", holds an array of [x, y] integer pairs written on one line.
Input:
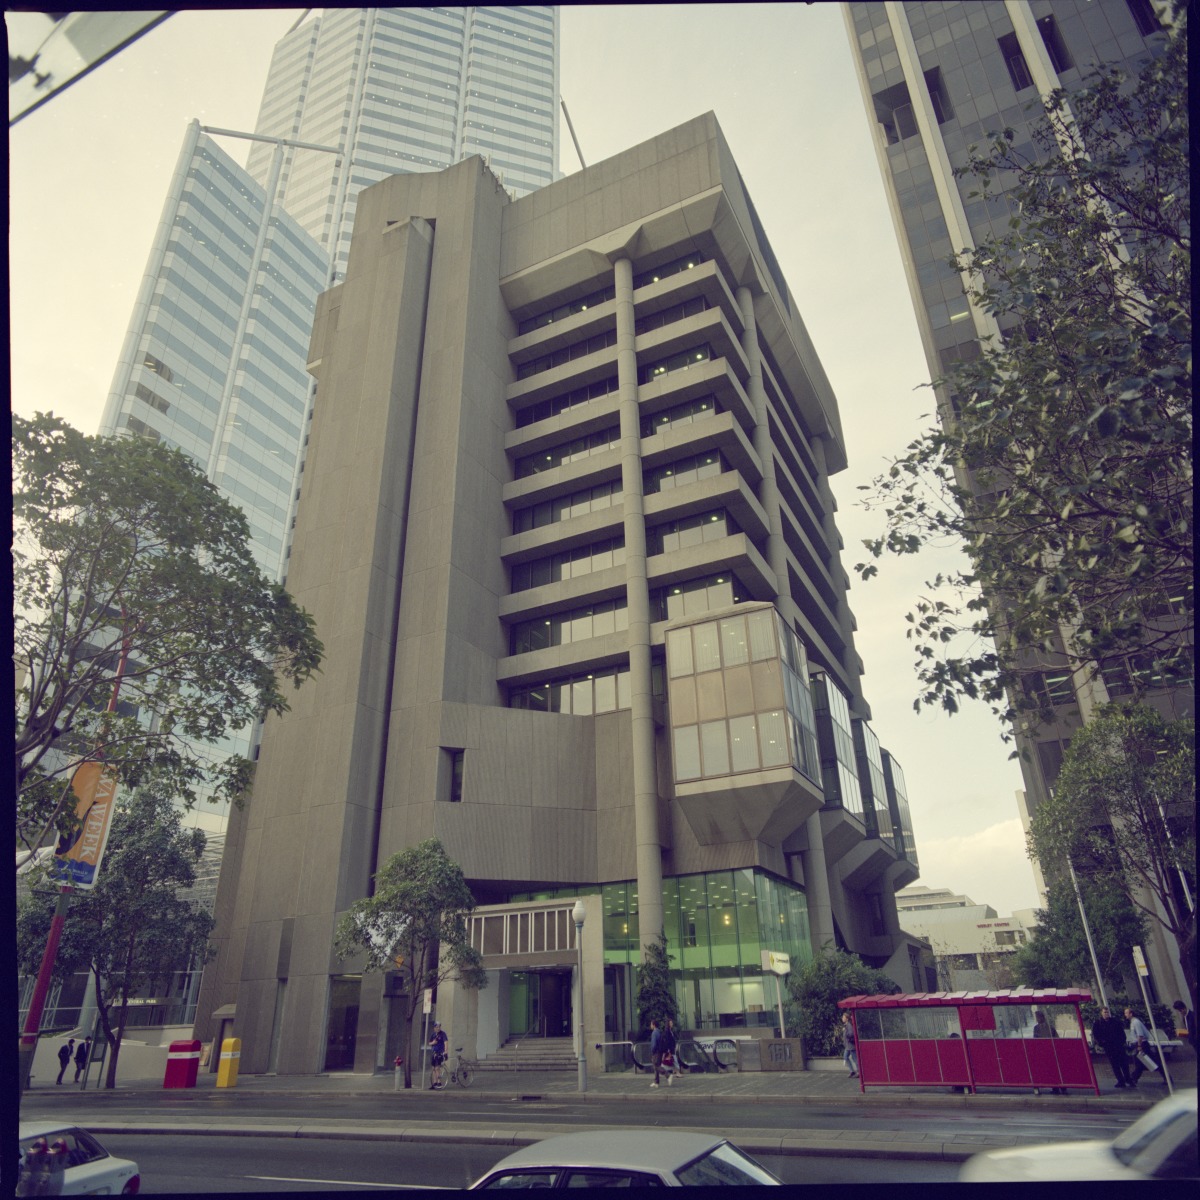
{"points": [[1108, 1033], [1186, 1022], [658, 1044], [64, 1057]]}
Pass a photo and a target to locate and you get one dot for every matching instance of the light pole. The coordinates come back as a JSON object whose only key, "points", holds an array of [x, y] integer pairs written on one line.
{"points": [[577, 914]]}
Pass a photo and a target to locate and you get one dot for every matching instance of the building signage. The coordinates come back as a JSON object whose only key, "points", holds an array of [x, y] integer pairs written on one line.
{"points": [[776, 962], [427, 1002], [77, 856], [1139, 961]]}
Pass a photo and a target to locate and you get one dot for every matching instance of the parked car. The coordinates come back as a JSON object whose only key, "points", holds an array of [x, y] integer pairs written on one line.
{"points": [[1161, 1144], [627, 1158], [89, 1169]]}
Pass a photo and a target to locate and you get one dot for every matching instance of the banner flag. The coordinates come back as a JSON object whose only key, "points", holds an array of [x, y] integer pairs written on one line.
{"points": [[77, 857]]}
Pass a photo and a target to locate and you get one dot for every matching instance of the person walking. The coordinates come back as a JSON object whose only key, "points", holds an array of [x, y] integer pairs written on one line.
{"points": [[670, 1052], [81, 1057], [1139, 1035], [675, 1047], [1108, 1034], [64, 1057], [657, 1049], [1186, 1023], [849, 1045]]}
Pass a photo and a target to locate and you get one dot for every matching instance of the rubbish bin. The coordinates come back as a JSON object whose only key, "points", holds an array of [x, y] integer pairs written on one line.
{"points": [[183, 1063], [231, 1053]]}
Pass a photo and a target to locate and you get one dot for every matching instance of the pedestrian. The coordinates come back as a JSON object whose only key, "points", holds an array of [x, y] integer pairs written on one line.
{"points": [[81, 1057], [1108, 1034], [670, 1052], [64, 1057], [657, 1049], [1043, 1029], [1186, 1023], [849, 1045], [1139, 1035], [438, 1042], [675, 1047]]}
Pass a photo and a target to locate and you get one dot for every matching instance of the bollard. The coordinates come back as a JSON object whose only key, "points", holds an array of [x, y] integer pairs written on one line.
{"points": [[227, 1072], [398, 1074], [183, 1064]]}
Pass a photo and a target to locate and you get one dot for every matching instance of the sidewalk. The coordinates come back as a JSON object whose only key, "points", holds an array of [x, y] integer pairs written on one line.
{"points": [[684, 1100]]}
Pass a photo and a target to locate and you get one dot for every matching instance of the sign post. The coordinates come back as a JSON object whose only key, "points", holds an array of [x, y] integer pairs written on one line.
{"points": [[426, 1008], [1143, 972], [778, 964]]}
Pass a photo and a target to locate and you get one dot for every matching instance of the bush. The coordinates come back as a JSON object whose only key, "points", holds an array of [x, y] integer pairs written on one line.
{"points": [[816, 989], [1164, 1015]]}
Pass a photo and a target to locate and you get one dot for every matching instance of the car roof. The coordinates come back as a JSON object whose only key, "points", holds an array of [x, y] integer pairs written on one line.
{"points": [[623, 1149], [32, 1129]]}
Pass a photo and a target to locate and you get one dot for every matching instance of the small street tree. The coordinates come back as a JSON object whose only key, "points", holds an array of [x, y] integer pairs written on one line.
{"points": [[128, 562], [815, 989], [135, 928], [655, 996], [1057, 953], [1062, 461], [1123, 812], [415, 922]]}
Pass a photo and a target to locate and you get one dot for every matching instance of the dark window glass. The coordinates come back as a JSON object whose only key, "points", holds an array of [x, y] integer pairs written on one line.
{"points": [[1014, 60], [1056, 48], [1144, 16]]}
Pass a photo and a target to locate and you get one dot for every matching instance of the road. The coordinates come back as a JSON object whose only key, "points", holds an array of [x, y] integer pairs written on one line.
{"points": [[200, 1165]]}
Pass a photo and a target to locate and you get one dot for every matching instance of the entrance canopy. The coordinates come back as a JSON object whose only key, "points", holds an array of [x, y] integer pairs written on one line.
{"points": [[961, 999]]}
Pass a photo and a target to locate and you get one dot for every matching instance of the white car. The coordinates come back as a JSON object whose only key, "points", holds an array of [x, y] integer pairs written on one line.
{"points": [[627, 1158], [1161, 1144], [90, 1169]]}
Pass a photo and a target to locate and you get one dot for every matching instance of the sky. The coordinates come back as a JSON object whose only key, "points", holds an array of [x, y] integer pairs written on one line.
{"points": [[89, 173]]}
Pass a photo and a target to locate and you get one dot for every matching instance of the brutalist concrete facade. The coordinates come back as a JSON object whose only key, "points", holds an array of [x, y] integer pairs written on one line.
{"points": [[587, 374]]}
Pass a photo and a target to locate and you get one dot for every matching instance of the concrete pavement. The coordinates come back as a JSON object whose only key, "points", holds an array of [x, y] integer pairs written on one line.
{"points": [[680, 1105]]}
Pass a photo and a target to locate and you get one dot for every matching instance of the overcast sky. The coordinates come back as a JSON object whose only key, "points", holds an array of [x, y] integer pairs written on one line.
{"points": [[89, 173]]}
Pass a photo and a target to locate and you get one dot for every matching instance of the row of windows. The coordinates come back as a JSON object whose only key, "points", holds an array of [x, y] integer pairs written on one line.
{"points": [[572, 451], [677, 362], [684, 263], [599, 341], [716, 645], [575, 625], [570, 564], [680, 414], [689, 531], [566, 310], [726, 747], [142, 392], [684, 471], [545, 409], [596, 692], [668, 316], [696, 596], [561, 508]]}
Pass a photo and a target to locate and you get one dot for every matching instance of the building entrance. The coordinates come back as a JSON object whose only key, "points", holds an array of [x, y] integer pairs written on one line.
{"points": [[539, 1003]]}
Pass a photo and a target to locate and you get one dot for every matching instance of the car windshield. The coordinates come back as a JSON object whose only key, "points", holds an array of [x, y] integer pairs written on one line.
{"points": [[1147, 1130], [724, 1165]]}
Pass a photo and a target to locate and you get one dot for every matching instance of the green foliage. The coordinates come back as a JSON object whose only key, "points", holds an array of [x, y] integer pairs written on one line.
{"points": [[1062, 459], [815, 989], [1057, 954], [1123, 812], [655, 996], [1164, 1015], [125, 553], [136, 927], [416, 923]]}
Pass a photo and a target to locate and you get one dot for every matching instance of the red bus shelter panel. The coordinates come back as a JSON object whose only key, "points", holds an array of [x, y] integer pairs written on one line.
{"points": [[977, 1016], [1043, 1063], [1014, 1066], [985, 1063], [1074, 1066], [953, 1059], [927, 1067], [872, 1063], [899, 1063]]}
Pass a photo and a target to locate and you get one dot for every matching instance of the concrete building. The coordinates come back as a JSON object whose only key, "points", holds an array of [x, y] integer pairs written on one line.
{"points": [[937, 77], [567, 535], [969, 941]]}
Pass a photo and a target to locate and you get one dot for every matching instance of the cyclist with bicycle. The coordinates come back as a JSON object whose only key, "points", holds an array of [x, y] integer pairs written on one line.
{"points": [[438, 1042]]}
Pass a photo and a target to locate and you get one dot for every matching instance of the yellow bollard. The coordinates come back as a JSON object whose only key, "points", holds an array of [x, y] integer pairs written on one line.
{"points": [[227, 1070]]}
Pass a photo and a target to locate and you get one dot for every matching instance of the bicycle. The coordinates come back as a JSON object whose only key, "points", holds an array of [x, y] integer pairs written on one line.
{"points": [[462, 1073]]}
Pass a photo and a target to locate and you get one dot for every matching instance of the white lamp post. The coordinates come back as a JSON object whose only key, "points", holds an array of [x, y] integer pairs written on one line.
{"points": [[578, 913]]}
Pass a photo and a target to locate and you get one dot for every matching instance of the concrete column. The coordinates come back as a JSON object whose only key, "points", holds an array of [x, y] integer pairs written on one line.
{"points": [[645, 774], [816, 872]]}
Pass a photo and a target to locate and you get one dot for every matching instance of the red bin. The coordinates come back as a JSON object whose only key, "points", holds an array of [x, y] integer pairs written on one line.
{"points": [[183, 1064]]}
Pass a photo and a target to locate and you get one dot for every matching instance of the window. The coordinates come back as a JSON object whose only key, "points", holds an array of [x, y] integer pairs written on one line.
{"points": [[551, 408], [689, 531], [158, 367], [568, 354], [1144, 16], [681, 414], [1056, 48], [943, 111], [684, 471], [686, 263], [141, 429], [1014, 60], [668, 316], [677, 362], [142, 392], [566, 310], [455, 762], [572, 451], [894, 112]]}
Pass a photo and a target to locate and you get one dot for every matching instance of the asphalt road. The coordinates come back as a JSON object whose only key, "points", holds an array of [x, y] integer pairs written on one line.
{"points": [[206, 1165]]}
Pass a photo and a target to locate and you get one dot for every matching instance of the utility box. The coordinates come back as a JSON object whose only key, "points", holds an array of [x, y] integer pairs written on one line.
{"points": [[183, 1064], [231, 1053]]}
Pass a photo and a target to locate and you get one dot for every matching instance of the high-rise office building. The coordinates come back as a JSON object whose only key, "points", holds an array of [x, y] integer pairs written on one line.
{"points": [[568, 535], [937, 77]]}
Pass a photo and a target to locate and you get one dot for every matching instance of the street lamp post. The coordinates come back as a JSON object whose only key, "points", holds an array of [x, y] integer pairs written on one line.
{"points": [[578, 913]]}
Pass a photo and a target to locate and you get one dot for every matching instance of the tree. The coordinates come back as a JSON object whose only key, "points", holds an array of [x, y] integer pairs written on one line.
{"points": [[129, 562], [815, 989], [1062, 460], [655, 996], [1057, 953], [414, 922], [135, 928], [1123, 813]]}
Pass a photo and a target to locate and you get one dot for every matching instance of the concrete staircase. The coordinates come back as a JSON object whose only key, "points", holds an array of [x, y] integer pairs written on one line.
{"points": [[532, 1054]]}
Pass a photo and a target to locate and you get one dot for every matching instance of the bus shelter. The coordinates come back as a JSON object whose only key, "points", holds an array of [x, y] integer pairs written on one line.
{"points": [[1019, 1038]]}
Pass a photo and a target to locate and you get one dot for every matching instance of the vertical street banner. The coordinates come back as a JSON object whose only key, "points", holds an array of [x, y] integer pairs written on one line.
{"points": [[77, 857]]}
